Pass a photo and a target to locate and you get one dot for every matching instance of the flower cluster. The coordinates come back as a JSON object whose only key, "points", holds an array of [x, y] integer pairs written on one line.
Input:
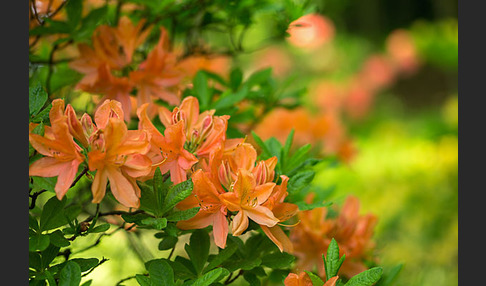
{"points": [[351, 230], [118, 155], [112, 52], [230, 185]]}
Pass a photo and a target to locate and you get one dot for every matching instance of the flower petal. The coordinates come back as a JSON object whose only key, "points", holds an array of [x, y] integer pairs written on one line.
{"points": [[278, 236], [262, 216], [123, 190], [220, 229], [240, 223]]}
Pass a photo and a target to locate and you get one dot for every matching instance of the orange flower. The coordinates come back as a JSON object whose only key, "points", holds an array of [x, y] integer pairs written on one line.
{"points": [[168, 151], [63, 155], [204, 132], [118, 155], [247, 198], [283, 211], [303, 279], [213, 212], [114, 88], [129, 37], [311, 31], [157, 76], [353, 232]]}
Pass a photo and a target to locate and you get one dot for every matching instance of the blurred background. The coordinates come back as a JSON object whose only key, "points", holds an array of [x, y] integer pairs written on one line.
{"points": [[380, 81]]}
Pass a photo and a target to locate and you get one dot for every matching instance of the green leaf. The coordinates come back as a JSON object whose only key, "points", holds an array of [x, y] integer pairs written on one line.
{"points": [[70, 274], [183, 215], [332, 262], [74, 9], [37, 98], [300, 180], [303, 206], [160, 191], [38, 242], [143, 280], [389, 277], [49, 254], [35, 261], [52, 214], [50, 278], [89, 23], [209, 277], [252, 279], [259, 77], [157, 223], [168, 242], [243, 264], [176, 194], [134, 218], [100, 228], [366, 278], [229, 99], [198, 249], [236, 77], [266, 152], [33, 223], [223, 255], [161, 273], [57, 238], [278, 260], [43, 115], [87, 283], [201, 90], [44, 183], [183, 268], [316, 280]]}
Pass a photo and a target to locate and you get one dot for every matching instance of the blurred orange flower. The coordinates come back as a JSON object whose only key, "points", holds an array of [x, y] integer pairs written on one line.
{"points": [[311, 31], [353, 233]]}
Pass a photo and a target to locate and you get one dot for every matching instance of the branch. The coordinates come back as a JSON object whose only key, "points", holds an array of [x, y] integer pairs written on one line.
{"points": [[34, 198]]}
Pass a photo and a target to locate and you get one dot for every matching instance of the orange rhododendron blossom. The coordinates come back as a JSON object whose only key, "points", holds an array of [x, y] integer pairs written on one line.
{"points": [[130, 36], [353, 232], [118, 155], [247, 198], [167, 150], [158, 75], [206, 194], [63, 155], [303, 279], [310, 31], [204, 132], [111, 87]]}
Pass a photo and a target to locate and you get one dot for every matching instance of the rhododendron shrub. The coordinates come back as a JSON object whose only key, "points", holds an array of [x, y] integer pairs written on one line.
{"points": [[165, 146]]}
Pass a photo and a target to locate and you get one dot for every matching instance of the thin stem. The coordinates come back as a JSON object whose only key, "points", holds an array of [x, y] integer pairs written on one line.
{"points": [[34, 198], [103, 260]]}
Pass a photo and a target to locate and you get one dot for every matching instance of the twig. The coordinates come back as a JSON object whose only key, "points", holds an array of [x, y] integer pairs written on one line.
{"points": [[103, 260], [34, 198], [85, 170], [229, 281], [128, 278], [171, 252]]}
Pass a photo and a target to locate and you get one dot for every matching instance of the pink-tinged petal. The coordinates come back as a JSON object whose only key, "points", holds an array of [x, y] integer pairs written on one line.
{"points": [[240, 223], [114, 133], [220, 229], [146, 124], [190, 107], [122, 188], [186, 160], [204, 187], [75, 125], [201, 220], [66, 178], [284, 211], [231, 201], [292, 280], [165, 116], [278, 236], [135, 142], [262, 216], [332, 281], [98, 188], [244, 157], [188, 203], [57, 110], [137, 165], [244, 184], [108, 109], [47, 167], [175, 137], [177, 174], [262, 192]]}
